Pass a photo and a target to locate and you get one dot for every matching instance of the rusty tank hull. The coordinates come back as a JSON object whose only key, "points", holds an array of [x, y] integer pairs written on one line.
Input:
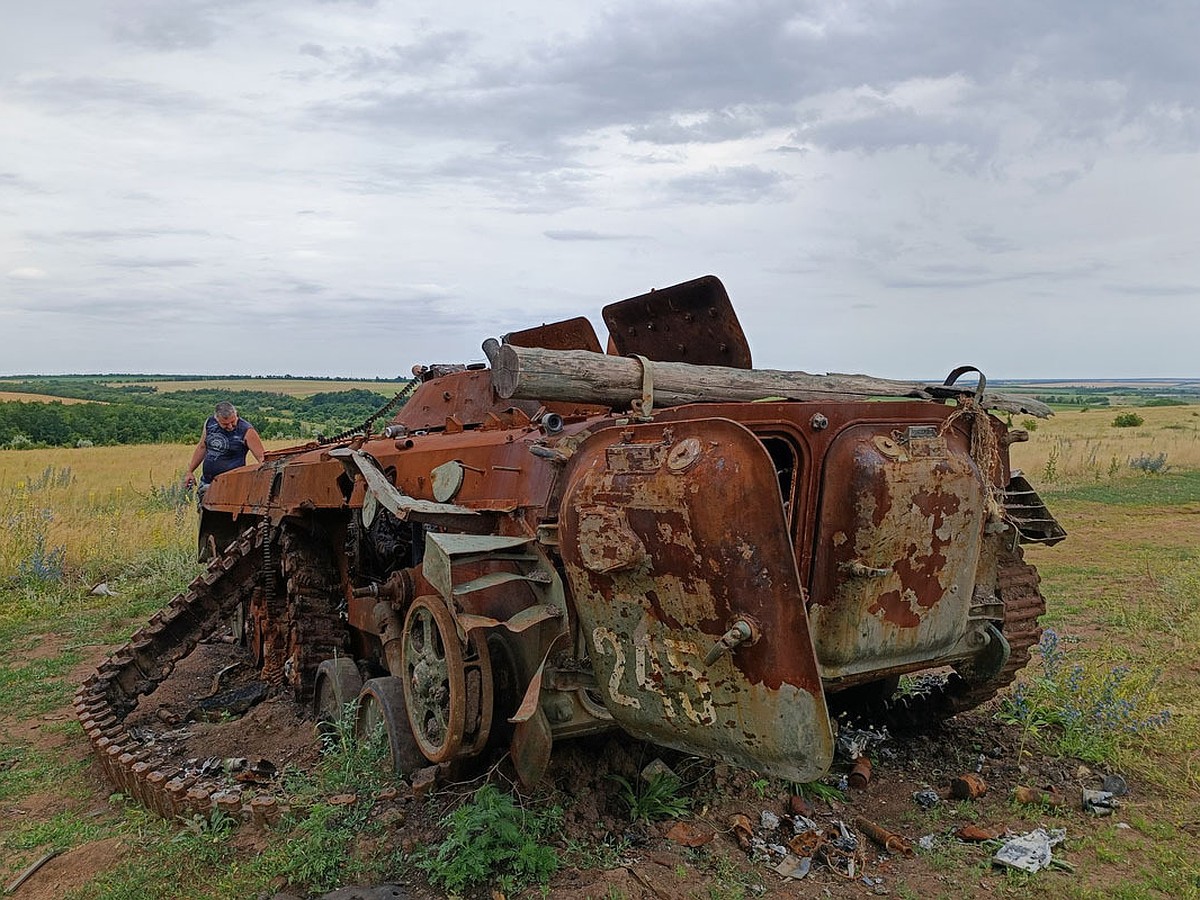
{"points": [[500, 568]]}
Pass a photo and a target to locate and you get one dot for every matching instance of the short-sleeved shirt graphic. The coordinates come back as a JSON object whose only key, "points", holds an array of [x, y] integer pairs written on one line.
{"points": [[226, 449]]}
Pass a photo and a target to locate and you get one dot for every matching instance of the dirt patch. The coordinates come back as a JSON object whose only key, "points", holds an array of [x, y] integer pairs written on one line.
{"points": [[70, 870]]}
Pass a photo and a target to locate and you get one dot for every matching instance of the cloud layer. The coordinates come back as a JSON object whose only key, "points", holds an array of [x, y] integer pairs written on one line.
{"points": [[351, 186]]}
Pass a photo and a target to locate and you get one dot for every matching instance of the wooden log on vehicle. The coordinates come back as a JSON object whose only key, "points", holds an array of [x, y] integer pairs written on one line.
{"points": [[580, 376]]}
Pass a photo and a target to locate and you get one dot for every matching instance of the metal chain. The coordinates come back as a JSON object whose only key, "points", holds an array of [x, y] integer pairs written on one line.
{"points": [[365, 427]]}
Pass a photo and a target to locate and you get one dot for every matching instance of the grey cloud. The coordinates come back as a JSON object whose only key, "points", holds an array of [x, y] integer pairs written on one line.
{"points": [[432, 50], [105, 236], [76, 94], [1156, 290], [733, 185], [178, 25], [15, 182], [419, 309], [567, 234], [147, 262], [106, 308], [1053, 182], [633, 70], [946, 275], [290, 285], [527, 182], [984, 238], [314, 50], [712, 127], [728, 70], [892, 128]]}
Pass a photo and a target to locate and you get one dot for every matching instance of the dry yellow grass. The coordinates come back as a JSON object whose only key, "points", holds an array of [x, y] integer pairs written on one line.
{"points": [[39, 398], [103, 508], [99, 504], [1076, 446]]}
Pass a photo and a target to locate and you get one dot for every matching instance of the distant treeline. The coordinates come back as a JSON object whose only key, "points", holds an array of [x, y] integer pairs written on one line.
{"points": [[1074, 399], [125, 416]]}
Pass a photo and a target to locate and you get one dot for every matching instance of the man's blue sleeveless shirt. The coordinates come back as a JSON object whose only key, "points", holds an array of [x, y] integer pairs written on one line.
{"points": [[226, 449]]}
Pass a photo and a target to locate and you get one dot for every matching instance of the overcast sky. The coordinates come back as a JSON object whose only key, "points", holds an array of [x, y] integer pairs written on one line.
{"points": [[348, 187]]}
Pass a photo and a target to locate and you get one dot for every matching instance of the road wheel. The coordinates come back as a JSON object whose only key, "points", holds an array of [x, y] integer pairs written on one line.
{"points": [[381, 704], [448, 688], [338, 682]]}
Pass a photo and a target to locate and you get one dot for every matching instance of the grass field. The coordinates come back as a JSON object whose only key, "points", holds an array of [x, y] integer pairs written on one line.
{"points": [[1074, 447], [1123, 595]]}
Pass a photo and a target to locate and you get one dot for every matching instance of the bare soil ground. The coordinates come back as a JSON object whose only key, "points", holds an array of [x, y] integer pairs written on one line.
{"points": [[703, 857]]}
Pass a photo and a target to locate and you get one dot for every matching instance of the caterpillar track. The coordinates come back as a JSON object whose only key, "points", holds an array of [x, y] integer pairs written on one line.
{"points": [[290, 634], [1017, 587]]}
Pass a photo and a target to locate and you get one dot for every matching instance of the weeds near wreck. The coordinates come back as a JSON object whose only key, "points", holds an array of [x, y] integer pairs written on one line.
{"points": [[1151, 464], [350, 762], [43, 563], [1082, 713], [492, 841], [214, 828], [657, 799], [818, 790]]}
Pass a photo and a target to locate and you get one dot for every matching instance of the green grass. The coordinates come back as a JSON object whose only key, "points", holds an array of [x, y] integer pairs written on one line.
{"points": [[655, 799], [1166, 490], [39, 686], [63, 830], [25, 770]]}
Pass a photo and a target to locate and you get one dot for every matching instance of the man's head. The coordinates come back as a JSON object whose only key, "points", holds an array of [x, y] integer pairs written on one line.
{"points": [[226, 415]]}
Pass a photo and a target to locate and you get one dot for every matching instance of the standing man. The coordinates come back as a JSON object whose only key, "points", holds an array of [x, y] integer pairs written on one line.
{"points": [[223, 446]]}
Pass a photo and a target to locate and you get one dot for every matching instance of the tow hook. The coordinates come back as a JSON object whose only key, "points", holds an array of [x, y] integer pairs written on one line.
{"points": [[743, 631]]}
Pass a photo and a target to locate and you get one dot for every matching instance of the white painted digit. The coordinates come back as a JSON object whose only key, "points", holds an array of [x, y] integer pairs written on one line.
{"points": [[676, 651], [601, 636]]}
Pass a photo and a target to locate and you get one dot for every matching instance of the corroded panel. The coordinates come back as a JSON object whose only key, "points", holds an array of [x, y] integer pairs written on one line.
{"points": [[677, 553], [894, 566]]}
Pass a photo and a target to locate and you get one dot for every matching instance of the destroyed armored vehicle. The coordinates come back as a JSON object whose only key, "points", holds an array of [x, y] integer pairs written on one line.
{"points": [[657, 538]]}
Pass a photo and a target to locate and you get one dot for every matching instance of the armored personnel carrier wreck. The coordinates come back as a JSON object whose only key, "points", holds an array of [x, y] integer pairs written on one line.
{"points": [[658, 538]]}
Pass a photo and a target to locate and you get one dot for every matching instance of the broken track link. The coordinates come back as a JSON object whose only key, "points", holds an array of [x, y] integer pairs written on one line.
{"points": [[137, 768], [1017, 587]]}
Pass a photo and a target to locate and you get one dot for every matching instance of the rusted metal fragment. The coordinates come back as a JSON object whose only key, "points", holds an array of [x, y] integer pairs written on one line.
{"points": [[399, 504], [443, 552], [607, 542], [530, 749], [526, 618], [692, 322], [569, 334], [977, 834], [888, 840], [691, 834], [968, 786], [860, 775]]}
